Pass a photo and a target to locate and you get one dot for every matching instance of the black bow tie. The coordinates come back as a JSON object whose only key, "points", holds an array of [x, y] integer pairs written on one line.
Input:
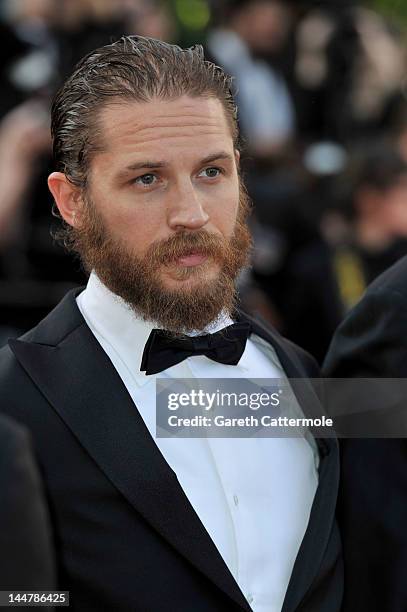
{"points": [[163, 350]]}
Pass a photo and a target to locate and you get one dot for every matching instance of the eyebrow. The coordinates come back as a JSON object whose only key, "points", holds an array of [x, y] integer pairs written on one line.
{"points": [[149, 164]]}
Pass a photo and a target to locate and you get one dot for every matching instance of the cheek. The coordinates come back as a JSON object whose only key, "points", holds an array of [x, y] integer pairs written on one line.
{"points": [[224, 210], [133, 224], [126, 215], [138, 231]]}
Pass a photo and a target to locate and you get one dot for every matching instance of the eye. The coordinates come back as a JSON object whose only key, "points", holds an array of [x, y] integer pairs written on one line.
{"points": [[211, 172], [146, 180]]}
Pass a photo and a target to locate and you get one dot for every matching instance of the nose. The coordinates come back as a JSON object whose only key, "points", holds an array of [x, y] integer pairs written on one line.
{"points": [[186, 210]]}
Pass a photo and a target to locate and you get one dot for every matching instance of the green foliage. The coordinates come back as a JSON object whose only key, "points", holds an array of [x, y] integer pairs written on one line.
{"points": [[396, 10], [192, 18]]}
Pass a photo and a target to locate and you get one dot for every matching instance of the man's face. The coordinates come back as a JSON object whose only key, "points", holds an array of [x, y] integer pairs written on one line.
{"points": [[163, 223]]}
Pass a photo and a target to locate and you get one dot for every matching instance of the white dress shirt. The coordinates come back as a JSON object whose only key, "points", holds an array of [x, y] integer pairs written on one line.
{"points": [[253, 495]]}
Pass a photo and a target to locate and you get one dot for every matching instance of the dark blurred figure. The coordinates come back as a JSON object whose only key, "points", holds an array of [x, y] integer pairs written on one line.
{"points": [[34, 272], [348, 71], [371, 344], [13, 49], [366, 234], [29, 51], [152, 18], [84, 25], [248, 32], [27, 557]]}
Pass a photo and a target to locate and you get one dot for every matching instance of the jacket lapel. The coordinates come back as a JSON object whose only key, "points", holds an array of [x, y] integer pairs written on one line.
{"points": [[77, 378]]}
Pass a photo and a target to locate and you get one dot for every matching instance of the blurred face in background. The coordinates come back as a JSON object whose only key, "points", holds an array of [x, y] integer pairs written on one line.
{"points": [[387, 208], [263, 24], [149, 18], [72, 13]]}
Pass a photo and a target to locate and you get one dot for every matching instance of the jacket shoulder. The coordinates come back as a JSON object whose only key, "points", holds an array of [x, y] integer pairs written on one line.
{"points": [[393, 280], [58, 323], [14, 382], [9, 366]]}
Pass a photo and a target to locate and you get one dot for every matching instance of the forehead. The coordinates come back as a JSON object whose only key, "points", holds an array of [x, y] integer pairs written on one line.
{"points": [[163, 126]]}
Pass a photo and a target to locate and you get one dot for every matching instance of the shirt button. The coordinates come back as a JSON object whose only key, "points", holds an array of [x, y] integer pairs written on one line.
{"points": [[250, 598], [236, 500]]}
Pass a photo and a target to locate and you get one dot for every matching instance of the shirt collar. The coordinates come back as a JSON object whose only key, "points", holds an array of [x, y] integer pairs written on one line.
{"points": [[119, 327]]}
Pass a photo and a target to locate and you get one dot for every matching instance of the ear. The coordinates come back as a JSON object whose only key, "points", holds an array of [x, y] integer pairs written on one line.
{"points": [[67, 197]]}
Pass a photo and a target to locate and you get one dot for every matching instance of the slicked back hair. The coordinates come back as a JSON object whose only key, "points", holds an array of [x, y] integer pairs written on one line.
{"points": [[135, 69]]}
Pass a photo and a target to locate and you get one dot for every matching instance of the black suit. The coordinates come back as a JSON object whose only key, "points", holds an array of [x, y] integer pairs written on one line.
{"points": [[27, 559], [372, 509], [127, 536]]}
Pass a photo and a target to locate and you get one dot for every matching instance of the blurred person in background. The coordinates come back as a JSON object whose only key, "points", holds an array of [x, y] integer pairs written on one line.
{"points": [[28, 77], [29, 51], [83, 25], [27, 560], [371, 344], [24, 141], [362, 233], [373, 198], [51, 36], [153, 18], [348, 72], [24, 134], [346, 84], [249, 31], [13, 48], [34, 271]]}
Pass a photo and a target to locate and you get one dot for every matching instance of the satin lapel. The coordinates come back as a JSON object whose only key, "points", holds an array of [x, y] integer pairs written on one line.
{"points": [[322, 516], [80, 383]]}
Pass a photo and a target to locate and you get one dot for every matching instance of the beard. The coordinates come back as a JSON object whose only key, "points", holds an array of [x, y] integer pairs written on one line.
{"points": [[201, 296]]}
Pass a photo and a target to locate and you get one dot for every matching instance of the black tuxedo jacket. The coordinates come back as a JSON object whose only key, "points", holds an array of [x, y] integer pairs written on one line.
{"points": [[372, 508], [27, 559], [127, 537]]}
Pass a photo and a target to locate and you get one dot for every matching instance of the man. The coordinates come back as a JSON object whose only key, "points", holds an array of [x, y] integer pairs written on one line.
{"points": [[27, 560], [370, 343], [147, 182]]}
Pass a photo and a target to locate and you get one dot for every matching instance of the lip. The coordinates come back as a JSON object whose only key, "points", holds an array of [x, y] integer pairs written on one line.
{"points": [[193, 259]]}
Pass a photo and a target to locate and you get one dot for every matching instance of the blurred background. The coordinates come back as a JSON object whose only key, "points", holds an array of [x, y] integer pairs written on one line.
{"points": [[322, 93]]}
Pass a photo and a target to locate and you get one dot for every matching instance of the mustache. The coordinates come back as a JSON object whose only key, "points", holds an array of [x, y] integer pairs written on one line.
{"points": [[165, 252]]}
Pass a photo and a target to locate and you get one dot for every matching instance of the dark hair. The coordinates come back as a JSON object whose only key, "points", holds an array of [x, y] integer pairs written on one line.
{"points": [[381, 168], [378, 166], [133, 68]]}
